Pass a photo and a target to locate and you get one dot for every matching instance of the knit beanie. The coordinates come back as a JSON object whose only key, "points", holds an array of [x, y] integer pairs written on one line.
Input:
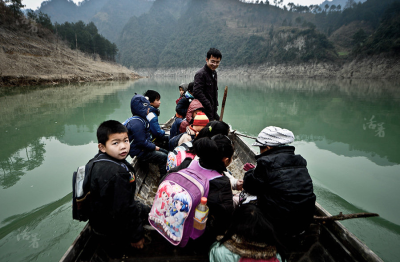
{"points": [[274, 136], [200, 119]]}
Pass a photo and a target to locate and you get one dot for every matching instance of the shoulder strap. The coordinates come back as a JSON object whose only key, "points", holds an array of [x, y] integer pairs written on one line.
{"points": [[207, 173], [134, 117]]}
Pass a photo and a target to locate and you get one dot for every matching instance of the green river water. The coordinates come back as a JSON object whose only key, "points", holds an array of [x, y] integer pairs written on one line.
{"points": [[348, 130]]}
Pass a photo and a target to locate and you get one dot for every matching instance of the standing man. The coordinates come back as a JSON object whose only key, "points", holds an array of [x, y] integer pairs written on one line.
{"points": [[206, 84]]}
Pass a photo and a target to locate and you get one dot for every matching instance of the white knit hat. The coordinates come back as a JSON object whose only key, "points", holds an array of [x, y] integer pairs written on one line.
{"points": [[274, 136]]}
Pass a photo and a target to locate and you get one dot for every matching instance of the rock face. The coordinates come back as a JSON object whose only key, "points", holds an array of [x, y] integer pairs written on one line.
{"points": [[375, 67]]}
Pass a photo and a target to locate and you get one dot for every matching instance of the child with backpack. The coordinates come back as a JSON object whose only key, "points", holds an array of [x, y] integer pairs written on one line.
{"points": [[158, 135], [114, 213], [201, 178], [139, 135]]}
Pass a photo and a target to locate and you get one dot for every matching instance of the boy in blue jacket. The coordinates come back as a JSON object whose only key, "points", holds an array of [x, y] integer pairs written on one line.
{"points": [[139, 135], [158, 135]]}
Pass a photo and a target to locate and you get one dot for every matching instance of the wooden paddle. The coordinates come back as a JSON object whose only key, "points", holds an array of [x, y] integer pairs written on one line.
{"points": [[223, 103]]}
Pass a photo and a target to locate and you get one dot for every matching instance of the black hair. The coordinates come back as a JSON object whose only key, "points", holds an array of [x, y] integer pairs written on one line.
{"points": [[213, 128], [152, 95], [214, 52], [212, 150], [250, 225], [190, 87], [108, 128]]}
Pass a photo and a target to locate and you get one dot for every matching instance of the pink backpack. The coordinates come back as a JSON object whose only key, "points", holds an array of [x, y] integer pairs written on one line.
{"points": [[176, 156], [176, 200]]}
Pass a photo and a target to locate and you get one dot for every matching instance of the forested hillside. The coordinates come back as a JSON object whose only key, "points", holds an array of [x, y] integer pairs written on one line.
{"points": [[177, 33], [245, 33], [109, 16]]}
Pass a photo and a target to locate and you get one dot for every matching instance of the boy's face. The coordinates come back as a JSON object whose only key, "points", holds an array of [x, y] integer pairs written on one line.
{"points": [[181, 90], [156, 103], [117, 146], [213, 62]]}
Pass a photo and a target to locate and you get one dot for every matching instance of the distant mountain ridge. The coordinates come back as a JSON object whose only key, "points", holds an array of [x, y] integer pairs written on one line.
{"points": [[109, 16]]}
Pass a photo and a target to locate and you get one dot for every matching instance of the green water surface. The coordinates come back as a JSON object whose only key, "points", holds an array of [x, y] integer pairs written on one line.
{"points": [[348, 130]]}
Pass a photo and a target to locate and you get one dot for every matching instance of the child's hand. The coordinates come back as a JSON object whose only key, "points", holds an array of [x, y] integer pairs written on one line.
{"points": [[239, 185], [139, 244], [248, 166]]}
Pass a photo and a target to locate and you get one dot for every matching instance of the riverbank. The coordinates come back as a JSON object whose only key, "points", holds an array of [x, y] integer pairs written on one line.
{"points": [[374, 67], [27, 59]]}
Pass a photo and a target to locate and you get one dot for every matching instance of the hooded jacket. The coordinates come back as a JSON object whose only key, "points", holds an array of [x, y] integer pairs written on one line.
{"points": [[185, 88], [284, 189], [183, 104], [194, 105], [152, 117], [138, 127]]}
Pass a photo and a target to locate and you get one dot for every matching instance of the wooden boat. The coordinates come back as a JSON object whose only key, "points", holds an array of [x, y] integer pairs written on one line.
{"points": [[329, 241]]}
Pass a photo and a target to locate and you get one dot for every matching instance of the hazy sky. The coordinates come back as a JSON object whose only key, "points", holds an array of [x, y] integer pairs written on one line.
{"points": [[34, 4]]}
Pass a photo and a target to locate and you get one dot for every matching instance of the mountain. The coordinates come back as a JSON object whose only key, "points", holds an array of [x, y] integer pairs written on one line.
{"points": [[109, 16], [245, 34]]}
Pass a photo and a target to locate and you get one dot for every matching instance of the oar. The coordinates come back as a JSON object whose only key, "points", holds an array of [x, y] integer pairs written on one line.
{"points": [[223, 103]]}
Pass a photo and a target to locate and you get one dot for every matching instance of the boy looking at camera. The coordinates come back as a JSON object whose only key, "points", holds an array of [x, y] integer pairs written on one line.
{"points": [[114, 213]]}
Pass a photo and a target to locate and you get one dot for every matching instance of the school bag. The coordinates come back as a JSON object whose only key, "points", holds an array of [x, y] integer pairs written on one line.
{"points": [[176, 156], [81, 188], [174, 205], [173, 142]]}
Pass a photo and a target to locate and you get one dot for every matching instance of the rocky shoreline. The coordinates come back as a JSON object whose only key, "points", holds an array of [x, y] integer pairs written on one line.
{"points": [[375, 67], [11, 81]]}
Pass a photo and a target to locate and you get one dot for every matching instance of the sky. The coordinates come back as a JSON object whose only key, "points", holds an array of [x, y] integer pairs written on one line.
{"points": [[34, 4]]}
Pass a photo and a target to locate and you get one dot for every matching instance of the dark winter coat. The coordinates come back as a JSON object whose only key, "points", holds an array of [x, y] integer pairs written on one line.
{"points": [[138, 127], [114, 211], [283, 188], [205, 89], [183, 104]]}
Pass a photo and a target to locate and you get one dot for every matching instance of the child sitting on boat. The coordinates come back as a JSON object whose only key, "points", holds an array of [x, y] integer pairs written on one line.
{"points": [[250, 237], [187, 98], [181, 110], [194, 107], [114, 212], [182, 90], [158, 135], [199, 122], [281, 182], [215, 154], [139, 134]]}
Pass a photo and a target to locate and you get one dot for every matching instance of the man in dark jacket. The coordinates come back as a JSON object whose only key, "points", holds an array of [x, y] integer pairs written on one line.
{"points": [[206, 84], [281, 183], [140, 137], [114, 212]]}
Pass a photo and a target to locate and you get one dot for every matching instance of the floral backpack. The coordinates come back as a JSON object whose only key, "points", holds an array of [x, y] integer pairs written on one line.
{"points": [[174, 205]]}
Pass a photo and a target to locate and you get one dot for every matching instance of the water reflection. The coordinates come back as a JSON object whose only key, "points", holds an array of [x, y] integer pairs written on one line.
{"points": [[48, 112], [347, 130]]}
